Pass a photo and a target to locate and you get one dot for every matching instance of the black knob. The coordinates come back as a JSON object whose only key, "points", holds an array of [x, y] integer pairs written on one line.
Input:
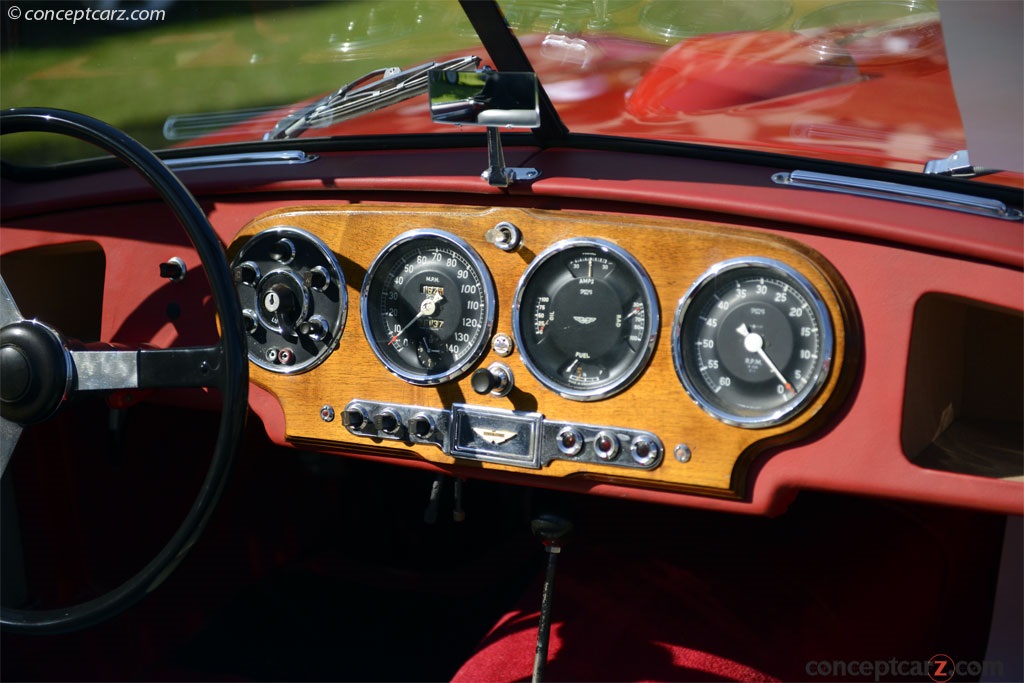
{"points": [[387, 421], [421, 426], [173, 269], [354, 418], [245, 273], [315, 328], [317, 279], [283, 251], [483, 381], [496, 380]]}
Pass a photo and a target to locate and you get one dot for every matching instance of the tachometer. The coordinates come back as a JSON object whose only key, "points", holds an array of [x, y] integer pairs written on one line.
{"points": [[585, 318], [427, 306], [752, 342]]}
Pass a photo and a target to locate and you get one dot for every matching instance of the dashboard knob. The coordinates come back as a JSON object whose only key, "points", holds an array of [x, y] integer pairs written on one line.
{"points": [[387, 421], [315, 328], [283, 251], [246, 273], [495, 380], [174, 269], [318, 278], [421, 426], [355, 417]]}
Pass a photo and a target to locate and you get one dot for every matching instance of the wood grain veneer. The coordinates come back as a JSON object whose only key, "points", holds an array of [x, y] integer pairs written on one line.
{"points": [[674, 253]]}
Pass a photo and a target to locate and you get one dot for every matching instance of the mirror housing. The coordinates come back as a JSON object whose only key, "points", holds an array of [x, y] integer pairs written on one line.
{"points": [[507, 99]]}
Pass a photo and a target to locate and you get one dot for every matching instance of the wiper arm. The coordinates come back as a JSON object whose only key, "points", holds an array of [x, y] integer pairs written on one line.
{"points": [[374, 90]]}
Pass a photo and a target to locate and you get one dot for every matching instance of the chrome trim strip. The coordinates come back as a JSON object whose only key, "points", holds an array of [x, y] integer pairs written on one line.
{"points": [[284, 157], [898, 192], [106, 370]]}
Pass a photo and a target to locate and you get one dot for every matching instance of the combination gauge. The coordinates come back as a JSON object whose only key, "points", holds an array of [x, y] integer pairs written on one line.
{"points": [[585, 318], [752, 342]]}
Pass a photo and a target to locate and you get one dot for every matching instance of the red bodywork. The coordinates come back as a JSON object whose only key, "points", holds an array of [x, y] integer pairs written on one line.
{"points": [[837, 96]]}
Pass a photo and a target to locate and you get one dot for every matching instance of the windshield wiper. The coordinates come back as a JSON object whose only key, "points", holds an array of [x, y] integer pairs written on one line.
{"points": [[374, 90]]}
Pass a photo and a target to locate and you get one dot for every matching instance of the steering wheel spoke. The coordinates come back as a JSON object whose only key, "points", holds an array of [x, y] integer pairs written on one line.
{"points": [[10, 431], [148, 368], [9, 312]]}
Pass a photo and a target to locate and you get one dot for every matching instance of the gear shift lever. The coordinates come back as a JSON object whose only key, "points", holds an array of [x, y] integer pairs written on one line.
{"points": [[550, 529]]}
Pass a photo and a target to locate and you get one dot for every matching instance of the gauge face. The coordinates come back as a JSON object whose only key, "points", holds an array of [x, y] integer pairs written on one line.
{"points": [[585, 318], [428, 306], [752, 342]]}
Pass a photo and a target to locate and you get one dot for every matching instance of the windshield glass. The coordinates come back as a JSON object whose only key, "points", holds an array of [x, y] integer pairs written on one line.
{"points": [[858, 81]]}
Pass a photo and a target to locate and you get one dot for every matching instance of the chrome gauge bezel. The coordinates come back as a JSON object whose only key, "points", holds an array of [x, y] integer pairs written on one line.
{"points": [[323, 344], [807, 394], [643, 357], [479, 346]]}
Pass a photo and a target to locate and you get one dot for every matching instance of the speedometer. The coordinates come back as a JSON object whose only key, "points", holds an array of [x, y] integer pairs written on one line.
{"points": [[427, 306], [752, 342], [585, 318]]}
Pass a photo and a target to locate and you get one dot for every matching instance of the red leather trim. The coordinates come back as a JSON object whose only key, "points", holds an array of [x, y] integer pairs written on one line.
{"points": [[890, 255]]}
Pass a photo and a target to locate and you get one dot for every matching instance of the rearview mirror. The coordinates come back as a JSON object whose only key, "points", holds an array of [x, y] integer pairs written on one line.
{"points": [[494, 99]]}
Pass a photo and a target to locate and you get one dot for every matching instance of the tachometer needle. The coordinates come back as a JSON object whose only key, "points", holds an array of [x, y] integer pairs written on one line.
{"points": [[754, 343], [428, 307]]}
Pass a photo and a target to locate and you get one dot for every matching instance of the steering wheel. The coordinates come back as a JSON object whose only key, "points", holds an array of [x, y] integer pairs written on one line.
{"points": [[41, 371]]}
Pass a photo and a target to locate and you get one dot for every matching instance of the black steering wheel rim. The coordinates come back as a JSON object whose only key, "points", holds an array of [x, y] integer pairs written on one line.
{"points": [[233, 380]]}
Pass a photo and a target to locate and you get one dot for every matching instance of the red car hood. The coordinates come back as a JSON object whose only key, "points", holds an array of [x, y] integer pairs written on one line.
{"points": [[875, 98]]}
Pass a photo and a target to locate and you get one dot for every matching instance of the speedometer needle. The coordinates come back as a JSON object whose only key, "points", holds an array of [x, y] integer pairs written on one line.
{"points": [[754, 343], [428, 307]]}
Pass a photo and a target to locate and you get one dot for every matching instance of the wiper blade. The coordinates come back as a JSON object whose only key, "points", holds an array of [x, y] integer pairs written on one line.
{"points": [[374, 90]]}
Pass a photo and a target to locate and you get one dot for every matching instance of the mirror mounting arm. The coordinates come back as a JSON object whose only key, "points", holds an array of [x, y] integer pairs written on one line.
{"points": [[497, 173]]}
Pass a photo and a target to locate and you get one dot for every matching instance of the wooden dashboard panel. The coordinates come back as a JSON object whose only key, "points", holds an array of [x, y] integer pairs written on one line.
{"points": [[674, 253]]}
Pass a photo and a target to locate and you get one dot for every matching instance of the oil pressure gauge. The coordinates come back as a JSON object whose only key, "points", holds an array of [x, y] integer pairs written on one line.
{"points": [[752, 342]]}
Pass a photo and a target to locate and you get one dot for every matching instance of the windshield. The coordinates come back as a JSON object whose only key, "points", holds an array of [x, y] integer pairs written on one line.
{"points": [[864, 82]]}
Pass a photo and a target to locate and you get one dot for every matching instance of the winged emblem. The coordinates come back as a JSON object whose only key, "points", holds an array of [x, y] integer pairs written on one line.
{"points": [[494, 436], [584, 319]]}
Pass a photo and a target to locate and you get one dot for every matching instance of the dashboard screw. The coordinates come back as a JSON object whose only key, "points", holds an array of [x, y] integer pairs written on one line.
{"points": [[682, 453]]}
